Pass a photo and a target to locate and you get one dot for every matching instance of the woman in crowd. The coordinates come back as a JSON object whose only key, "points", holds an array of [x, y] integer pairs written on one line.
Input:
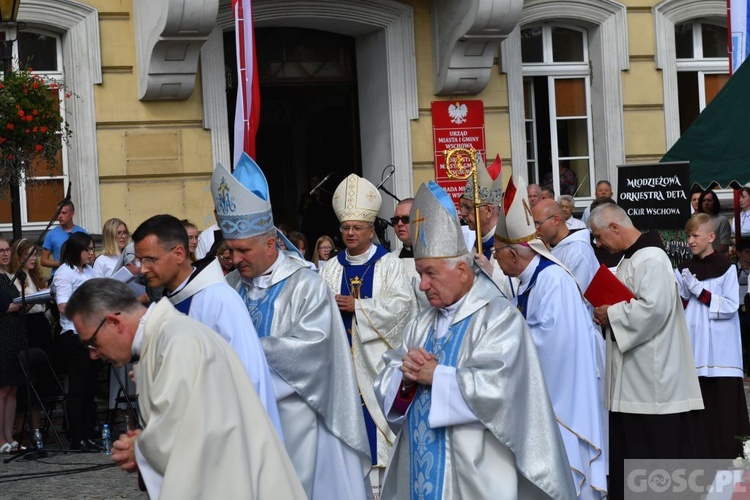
{"points": [[115, 236], [75, 269], [709, 204], [225, 258], [323, 250], [193, 237], [744, 212], [11, 343], [37, 326]]}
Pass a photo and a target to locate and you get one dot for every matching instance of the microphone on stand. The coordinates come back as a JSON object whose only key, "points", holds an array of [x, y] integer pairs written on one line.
{"points": [[380, 186], [317, 186]]}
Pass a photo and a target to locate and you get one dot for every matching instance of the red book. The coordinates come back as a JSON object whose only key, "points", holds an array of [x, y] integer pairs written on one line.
{"points": [[606, 289]]}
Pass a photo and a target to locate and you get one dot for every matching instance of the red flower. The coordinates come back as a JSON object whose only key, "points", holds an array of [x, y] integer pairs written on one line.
{"points": [[35, 129], [35, 112], [10, 157], [21, 112], [38, 148], [67, 95], [34, 85], [10, 126], [2, 140], [43, 130], [1, 85]]}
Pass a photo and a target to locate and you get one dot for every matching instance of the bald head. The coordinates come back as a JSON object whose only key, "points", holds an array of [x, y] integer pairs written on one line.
{"points": [[549, 221]]}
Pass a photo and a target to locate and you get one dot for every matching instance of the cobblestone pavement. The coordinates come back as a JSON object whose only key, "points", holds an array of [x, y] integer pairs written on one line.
{"points": [[70, 475], [79, 476]]}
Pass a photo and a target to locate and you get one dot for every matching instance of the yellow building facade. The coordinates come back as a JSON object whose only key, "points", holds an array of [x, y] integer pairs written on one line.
{"points": [[151, 118]]}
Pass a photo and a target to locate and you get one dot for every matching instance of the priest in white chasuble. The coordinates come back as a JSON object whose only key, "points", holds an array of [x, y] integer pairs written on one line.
{"points": [[374, 297], [302, 336], [206, 433], [652, 389], [465, 391], [568, 343]]}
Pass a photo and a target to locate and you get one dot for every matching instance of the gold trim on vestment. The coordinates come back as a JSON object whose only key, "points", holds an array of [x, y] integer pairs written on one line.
{"points": [[516, 241]]}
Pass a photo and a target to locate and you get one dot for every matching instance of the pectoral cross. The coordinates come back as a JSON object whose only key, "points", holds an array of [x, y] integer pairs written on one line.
{"points": [[354, 285]]}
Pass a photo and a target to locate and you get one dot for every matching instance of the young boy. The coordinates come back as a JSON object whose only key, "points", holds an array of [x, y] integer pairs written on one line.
{"points": [[709, 289]]}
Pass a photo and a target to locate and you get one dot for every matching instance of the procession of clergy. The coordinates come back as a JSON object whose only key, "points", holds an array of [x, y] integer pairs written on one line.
{"points": [[431, 372]]}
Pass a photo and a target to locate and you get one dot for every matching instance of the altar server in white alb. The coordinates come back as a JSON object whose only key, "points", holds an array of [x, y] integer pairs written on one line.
{"points": [[303, 337], [374, 298], [465, 390], [490, 196], [709, 288], [563, 330]]}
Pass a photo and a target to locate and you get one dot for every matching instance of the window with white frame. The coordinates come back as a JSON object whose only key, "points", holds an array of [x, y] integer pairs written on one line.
{"points": [[557, 108], [43, 186], [702, 66]]}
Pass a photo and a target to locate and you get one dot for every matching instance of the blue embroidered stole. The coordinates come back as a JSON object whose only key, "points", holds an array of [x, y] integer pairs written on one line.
{"points": [[359, 277], [426, 445], [261, 309], [523, 299]]}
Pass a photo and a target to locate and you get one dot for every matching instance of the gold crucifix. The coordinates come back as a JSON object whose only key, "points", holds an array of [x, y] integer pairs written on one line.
{"points": [[354, 285]]}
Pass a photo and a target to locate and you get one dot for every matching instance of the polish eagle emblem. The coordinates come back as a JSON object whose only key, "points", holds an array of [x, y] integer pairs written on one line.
{"points": [[458, 112]]}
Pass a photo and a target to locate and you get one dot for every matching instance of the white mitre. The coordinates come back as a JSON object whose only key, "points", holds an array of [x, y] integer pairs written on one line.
{"points": [[356, 198]]}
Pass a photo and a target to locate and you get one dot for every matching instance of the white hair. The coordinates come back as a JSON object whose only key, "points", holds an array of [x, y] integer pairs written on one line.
{"points": [[466, 258], [607, 213]]}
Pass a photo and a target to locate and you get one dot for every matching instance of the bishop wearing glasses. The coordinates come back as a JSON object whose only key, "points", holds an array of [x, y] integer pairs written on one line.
{"points": [[374, 297]]}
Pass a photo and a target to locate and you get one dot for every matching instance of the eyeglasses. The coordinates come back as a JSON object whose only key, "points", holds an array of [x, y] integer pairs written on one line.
{"points": [[404, 219], [4, 250], [226, 259], [538, 223], [90, 344], [140, 261], [123, 233], [325, 248], [465, 207], [89, 249], [356, 229]]}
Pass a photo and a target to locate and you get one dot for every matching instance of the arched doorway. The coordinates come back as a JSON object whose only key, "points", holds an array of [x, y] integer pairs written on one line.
{"points": [[309, 125]]}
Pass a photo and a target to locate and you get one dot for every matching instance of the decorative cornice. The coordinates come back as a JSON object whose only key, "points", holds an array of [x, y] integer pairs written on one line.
{"points": [[169, 35], [466, 35]]}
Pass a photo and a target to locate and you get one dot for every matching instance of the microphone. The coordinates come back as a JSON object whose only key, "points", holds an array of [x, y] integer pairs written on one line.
{"points": [[312, 191], [390, 174], [380, 186]]}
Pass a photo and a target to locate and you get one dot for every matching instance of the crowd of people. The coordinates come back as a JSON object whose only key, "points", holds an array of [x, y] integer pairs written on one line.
{"points": [[466, 363]]}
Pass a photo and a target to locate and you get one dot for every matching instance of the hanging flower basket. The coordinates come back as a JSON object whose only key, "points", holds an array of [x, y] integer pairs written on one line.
{"points": [[32, 129]]}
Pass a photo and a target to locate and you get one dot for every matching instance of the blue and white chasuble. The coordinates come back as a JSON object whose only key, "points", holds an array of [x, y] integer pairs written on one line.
{"points": [[427, 445]]}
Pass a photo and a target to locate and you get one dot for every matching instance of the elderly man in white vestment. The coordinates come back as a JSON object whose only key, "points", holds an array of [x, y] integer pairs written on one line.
{"points": [[465, 391], [201, 292], [651, 380], [303, 337], [401, 226], [206, 433], [374, 298], [570, 349]]}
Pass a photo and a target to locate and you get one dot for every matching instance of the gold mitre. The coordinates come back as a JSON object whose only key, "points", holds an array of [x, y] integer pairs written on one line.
{"points": [[356, 199], [490, 191], [436, 232]]}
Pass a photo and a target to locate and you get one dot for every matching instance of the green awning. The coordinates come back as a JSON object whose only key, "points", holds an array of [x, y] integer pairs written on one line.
{"points": [[717, 144]]}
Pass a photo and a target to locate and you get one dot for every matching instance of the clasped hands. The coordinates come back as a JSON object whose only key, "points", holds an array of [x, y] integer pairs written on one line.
{"points": [[418, 367], [123, 451]]}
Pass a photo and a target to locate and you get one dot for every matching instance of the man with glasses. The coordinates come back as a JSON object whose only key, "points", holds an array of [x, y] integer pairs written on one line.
{"points": [[161, 248], [374, 297], [572, 248], [490, 195], [401, 226], [570, 349], [303, 338], [206, 432]]}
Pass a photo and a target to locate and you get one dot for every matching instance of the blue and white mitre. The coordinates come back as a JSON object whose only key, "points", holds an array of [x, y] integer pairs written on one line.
{"points": [[436, 232], [243, 202]]}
